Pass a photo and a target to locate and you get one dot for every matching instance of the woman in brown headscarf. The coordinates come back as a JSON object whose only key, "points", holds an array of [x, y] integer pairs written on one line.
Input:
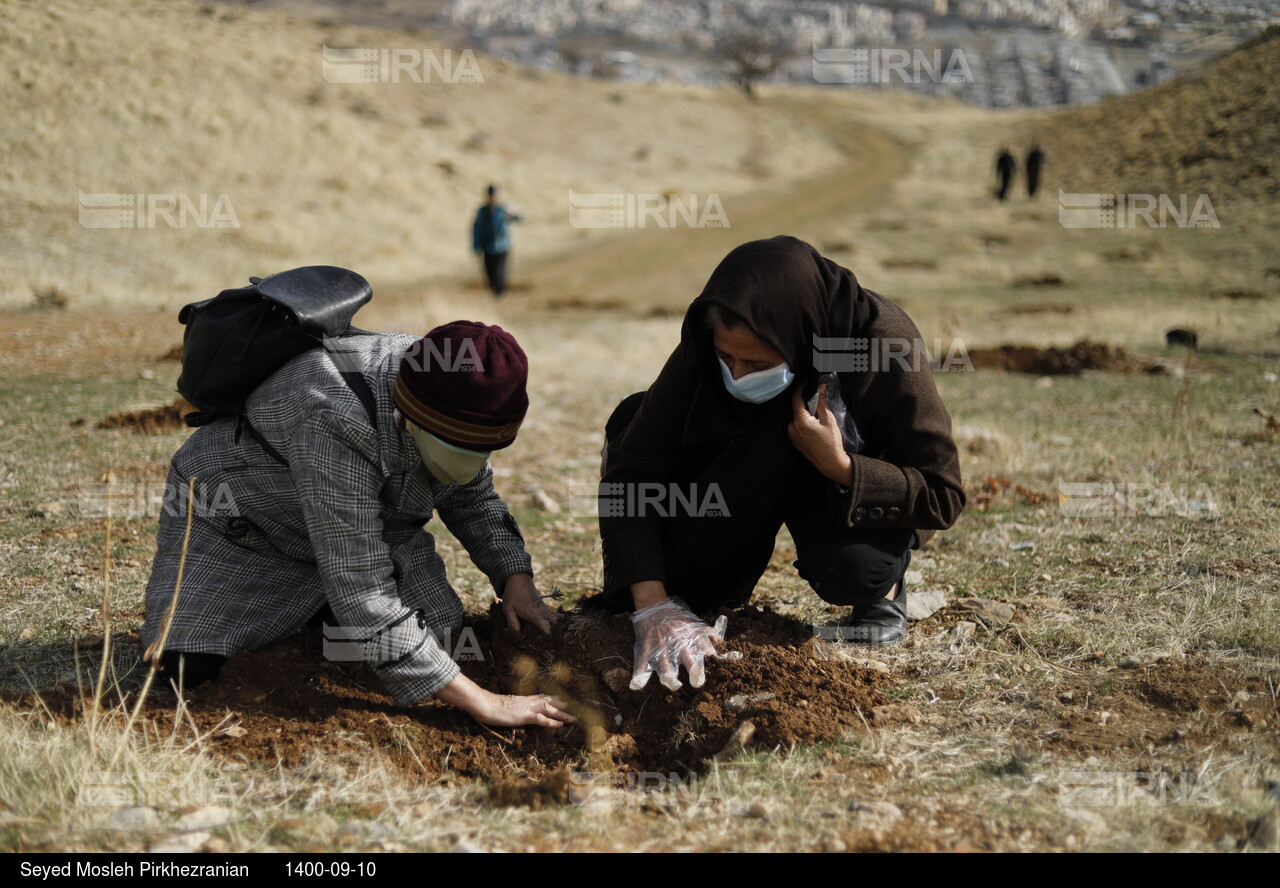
{"points": [[738, 436]]}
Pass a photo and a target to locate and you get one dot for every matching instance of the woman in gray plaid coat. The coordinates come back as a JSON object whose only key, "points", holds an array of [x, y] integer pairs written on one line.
{"points": [[336, 516]]}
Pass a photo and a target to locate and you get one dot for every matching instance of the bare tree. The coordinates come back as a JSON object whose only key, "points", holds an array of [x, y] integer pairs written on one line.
{"points": [[750, 53]]}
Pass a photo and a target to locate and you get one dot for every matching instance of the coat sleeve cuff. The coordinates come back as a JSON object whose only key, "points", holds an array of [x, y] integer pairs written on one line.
{"points": [[878, 495], [420, 676], [632, 555]]}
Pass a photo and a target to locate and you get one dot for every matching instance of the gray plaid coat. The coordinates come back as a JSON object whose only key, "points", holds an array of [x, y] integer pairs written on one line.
{"points": [[343, 523]]}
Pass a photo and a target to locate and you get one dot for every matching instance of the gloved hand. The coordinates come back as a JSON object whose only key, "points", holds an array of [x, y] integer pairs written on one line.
{"points": [[668, 636]]}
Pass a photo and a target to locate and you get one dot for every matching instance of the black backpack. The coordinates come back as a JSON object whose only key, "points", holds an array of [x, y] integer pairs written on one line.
{"points": [[237, 339]]}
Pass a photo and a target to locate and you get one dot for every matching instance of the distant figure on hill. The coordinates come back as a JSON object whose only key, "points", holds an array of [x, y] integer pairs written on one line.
{"points": [[1035, 162], [1005, 167], [491, 240]]}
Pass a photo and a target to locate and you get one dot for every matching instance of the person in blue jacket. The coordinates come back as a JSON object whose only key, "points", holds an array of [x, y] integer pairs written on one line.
{"points": [[491, 240]]}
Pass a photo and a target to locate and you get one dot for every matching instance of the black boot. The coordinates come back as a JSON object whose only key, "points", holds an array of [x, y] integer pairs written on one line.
{"points": [[880, 622]]}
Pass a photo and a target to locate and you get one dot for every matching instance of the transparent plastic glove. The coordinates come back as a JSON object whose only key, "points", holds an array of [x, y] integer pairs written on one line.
{"points": [[668, 636]]}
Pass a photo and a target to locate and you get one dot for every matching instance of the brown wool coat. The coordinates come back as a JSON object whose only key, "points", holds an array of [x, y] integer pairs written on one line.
{"points": [[907, 473]]}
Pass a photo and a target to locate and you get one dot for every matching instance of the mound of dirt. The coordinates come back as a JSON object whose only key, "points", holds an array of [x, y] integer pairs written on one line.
{"points": [[287, 702], [151, 421], [1084, 355]]}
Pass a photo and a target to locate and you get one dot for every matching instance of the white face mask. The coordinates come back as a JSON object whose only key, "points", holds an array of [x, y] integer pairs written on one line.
{"points": [[756, 388], [444, 460]]}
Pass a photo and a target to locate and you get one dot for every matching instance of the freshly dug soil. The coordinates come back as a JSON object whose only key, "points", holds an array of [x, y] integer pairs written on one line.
{"points": [[286, 703], [152, 421], [1084, 355]]}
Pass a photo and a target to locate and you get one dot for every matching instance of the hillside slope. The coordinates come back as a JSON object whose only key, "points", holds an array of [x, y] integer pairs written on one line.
{"points": [[1214, 130], [143, 97]]}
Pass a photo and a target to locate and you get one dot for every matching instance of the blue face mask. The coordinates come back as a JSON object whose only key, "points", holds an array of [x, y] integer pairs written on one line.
{"points": [[756, 388]]}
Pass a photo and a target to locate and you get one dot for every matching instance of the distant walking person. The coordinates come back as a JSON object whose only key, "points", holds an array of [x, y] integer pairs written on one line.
{"points": [[1005, 167], [492, 241], [1035, 161]]}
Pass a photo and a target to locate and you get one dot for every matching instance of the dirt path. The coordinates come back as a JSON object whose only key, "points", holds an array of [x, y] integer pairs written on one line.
{"points": [[664, 268]]}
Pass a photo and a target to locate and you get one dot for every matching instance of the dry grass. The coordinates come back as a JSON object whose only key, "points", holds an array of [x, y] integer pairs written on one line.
{"points": [[979, 757]]}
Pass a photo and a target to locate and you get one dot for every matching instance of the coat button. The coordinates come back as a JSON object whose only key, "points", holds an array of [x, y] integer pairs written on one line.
{"points": [[859, 513], [894, 513], [237, 528], [876, 514]]}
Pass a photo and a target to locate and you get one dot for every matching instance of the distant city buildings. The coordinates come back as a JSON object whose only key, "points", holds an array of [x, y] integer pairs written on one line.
{"points": [[993, 53]]}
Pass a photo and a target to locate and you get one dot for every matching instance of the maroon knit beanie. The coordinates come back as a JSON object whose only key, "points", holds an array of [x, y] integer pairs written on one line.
{"points": [[464, 382]]}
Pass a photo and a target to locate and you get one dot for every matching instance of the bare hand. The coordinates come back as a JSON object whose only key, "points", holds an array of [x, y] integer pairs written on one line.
{"points": [[502, 710], [521, 601], [505, 711], [819, 438]]}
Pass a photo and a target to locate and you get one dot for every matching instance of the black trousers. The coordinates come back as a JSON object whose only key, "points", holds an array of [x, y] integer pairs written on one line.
{"points": [[495, 269], [716, 560]]}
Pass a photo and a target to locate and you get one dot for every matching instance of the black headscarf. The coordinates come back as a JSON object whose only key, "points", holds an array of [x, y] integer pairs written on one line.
{"points": [[787, 293]]}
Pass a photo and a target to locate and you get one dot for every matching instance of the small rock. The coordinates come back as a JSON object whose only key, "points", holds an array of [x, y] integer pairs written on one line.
{"points": [[740, 702], [757, 811], [963, 630], [886, 812], [993, 613], [27, 634], [1046, 578], [834, 846], [876, 665], [206, 818], [896, 712], [913, 579], [738, 740], [618, 679], [1024, 546], [1135, 661], [543, 502], [133, 819], [1067, 697], [1265, 831], [922, 605]]}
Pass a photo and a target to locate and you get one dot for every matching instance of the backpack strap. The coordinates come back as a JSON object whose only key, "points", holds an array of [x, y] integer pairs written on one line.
{"points": [[350, 375]]}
